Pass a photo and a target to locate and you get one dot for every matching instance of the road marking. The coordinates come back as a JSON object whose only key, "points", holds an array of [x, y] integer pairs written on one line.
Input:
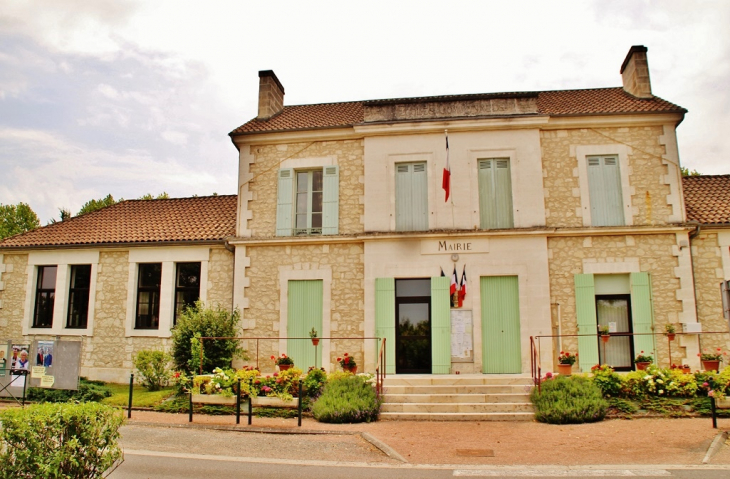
{"points": [[560, 472]]}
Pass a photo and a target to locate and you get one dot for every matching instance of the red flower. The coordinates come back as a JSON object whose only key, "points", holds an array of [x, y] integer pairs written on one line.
{"points": [[347, 360], [273, 358], [346, 353], [339, 359], [283, 355]]}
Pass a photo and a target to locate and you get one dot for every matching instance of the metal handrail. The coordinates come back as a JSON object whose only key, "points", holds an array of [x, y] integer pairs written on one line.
{"points": [[380, 369], [535, 366], [268, 338]]}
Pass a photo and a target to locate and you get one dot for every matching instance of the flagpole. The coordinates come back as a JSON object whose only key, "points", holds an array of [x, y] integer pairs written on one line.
{"points": [[451, 193]]}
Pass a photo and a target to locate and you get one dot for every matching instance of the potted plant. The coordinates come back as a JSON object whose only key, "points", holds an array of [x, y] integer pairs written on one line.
{"points": [[642, 361], [284, 362], [313, 336], [670, 331], [348, 363], [711, 361], [565, 362], [603, 331], [217, 388]]}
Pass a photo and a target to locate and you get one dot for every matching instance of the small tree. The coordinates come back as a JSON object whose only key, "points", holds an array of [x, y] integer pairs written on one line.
{"points": [[152, 367], [201, 321]]}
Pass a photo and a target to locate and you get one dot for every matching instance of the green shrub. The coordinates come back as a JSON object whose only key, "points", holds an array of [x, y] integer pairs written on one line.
{"points": [[59, 441], [88, 391], [607, 380], [623, 406], [655, 381], [569, 400], [348, 399], [152, 369], [201, 321], [314, 382]]}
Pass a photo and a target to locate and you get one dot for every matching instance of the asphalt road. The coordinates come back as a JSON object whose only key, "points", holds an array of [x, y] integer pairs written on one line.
{"points": [[168, 452]]}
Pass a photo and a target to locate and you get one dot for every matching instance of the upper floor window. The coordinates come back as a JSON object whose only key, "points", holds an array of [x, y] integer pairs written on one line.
{"points": [[604, 186], [78, 296], [411, 197], [308, 201], [148, 296], [187, 287], [495, 193], [45, 295]]}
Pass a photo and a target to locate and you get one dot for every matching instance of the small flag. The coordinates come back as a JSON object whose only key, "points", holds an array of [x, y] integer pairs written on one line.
{"points": [[452, 291], [442, 272], [446, 181], [462, 288]]}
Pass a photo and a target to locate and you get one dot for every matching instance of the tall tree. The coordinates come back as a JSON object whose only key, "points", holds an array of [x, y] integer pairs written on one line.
{"points": [[16, 219], [93, 205]]}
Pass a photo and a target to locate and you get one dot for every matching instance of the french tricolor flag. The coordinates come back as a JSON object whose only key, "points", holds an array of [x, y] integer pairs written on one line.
{"points": [[446, 180]]}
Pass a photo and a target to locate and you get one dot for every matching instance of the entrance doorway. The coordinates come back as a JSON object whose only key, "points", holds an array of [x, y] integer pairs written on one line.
{"points": [[413, 326], [614, 311]]}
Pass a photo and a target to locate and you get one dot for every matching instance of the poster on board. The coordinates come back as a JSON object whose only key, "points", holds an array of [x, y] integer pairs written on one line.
{"points": [[3, 359], [44, 356]]}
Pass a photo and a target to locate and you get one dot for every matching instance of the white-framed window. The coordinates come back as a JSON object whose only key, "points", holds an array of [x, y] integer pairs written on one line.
{"points": [[605, 192], [60, 292], [495, 193], [411, 196], [161, 282], [308, 201]]}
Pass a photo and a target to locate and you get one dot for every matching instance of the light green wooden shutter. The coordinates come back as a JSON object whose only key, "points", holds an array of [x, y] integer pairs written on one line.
{"points": [[495, 193], [641, 313], [585, 310], [304, 313], [604, 185], [284, 202], [440, 325], [501, 344], [411, 197], [330, 200], [385, 319]]}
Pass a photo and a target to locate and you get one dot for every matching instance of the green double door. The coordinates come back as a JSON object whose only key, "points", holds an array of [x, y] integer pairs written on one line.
{"points": [[304, 313], [501, 348]]}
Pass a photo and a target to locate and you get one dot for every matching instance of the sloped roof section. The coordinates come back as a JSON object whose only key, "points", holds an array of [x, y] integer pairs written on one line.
{"points": [[598, 101], [205, 218], [707, 198]]}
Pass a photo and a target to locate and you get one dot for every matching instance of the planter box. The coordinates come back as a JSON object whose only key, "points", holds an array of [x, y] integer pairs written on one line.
{"points": [[214, 399], [261, 401], [723, 403]]}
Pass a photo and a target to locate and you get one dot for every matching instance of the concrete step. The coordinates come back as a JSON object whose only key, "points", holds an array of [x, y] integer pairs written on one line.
{"points": [[456, 398], [474, 379], [407, 416], [458, 389], [441, 408]]}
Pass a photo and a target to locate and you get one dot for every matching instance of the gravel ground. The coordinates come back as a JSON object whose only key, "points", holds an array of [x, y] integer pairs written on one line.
{"points": [[642, 441]]}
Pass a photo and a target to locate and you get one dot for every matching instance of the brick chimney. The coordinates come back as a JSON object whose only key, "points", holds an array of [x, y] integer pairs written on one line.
{"points": [[635, 72], [271, 95]]}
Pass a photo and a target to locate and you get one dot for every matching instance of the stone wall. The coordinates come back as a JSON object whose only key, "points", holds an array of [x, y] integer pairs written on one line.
{"points": [[12, 295], [345, 261], [708, 271], [220, 278], [347, 154], [647, 172], [567, 256]]}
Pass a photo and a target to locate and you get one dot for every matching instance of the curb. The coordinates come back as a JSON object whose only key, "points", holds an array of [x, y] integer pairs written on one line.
{"points": [[259, 430], [715, 446], [389, 451]]}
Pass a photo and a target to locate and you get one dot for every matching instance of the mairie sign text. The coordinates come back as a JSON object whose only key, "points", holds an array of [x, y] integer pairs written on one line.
{"points": [[450, 246]]}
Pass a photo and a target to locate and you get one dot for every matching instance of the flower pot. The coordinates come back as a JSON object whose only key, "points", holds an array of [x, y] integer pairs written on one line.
{"points": [[686, 370], [315, 341], [642, 366], [711, 365], [350, 369], [565, 369], [214, 399], [284, 367], [671, 336], [722, 403], [605, 337], [265, 401]]}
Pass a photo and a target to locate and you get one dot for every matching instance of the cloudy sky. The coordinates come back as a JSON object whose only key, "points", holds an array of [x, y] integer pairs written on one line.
{"points": [[133, 97]]}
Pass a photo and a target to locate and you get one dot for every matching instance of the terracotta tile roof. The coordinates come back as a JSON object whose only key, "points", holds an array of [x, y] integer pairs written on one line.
{"points": [[707, 198], [559, 102], [302, 117], [204, 218]]}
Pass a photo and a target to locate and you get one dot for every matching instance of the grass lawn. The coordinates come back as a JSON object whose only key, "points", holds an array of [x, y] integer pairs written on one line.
{"points": [[141, 397]]}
